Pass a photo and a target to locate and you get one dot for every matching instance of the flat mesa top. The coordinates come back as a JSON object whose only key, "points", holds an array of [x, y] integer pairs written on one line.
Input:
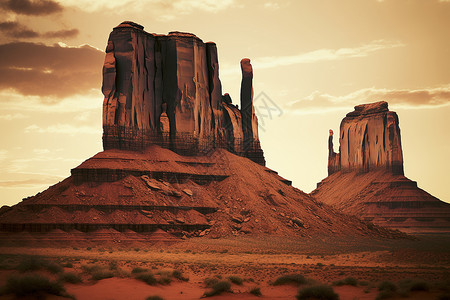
{"points": [[370, 108], [133, 25]]}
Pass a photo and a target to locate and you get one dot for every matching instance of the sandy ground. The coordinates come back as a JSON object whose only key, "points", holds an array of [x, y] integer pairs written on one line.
{"points": [[257, 260]]}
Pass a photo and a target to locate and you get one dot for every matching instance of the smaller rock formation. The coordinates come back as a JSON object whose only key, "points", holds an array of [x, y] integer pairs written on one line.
{"points": [[369, 140], [366, 177]]}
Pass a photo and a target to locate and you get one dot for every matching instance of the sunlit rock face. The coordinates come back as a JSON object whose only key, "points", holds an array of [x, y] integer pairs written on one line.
{"points": [[366, 177], [369, 140], [165, 90]]}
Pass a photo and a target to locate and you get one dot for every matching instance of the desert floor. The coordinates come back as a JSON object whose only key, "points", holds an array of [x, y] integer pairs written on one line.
{"points": [[410, 268]]}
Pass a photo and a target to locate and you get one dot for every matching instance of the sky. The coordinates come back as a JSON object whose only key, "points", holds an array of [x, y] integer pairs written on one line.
{"points": [[313, 61]]}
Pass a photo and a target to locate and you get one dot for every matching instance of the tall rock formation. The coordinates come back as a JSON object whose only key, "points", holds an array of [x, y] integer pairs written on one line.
{"points": [[369, 140], [366, 176], [145, 72]]}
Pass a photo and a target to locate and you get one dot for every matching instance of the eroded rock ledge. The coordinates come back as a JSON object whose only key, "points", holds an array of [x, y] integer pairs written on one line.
{"points": [[165, 90]]}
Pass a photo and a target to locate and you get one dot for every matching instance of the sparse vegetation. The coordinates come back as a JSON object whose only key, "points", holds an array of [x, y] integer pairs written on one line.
{"points": [[154, 298], [137, 270], [33, 263], [218, 288], [148, 278], [209, 282], [179, 275], [296, 279], [164, 280], [32, 284], [102, 274], [70, 277], [323, 292], [236, 280], [346, 281], [255, 291]]}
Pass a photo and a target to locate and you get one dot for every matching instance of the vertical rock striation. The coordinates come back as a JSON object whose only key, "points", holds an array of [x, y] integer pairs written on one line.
{"points": [[165, 90], [369, 140]]}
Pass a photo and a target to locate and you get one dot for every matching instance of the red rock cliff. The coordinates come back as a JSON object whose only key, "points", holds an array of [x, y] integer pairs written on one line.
{"points": [[369, 140], [165, 90]]}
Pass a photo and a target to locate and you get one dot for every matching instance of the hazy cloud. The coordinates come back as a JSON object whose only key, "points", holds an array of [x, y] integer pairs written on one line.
{"points": [[162, 9], [35, 181], [319, 102], [38, 69], [9, 117], [31, 7], [63, 128], [324, 55], [65, 33], [17, 30]]}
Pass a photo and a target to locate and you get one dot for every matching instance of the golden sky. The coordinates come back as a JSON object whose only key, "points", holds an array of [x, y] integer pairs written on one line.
{"points": [[312, 61]]}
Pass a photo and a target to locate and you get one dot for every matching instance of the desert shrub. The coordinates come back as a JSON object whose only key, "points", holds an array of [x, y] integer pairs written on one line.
{"points": [[32, 284], [386, 294], [164, 280], [346, 281], [414, 285], [68, 265], [209, 282], [387, 286], [138, 270], [148, 278], [218, 288], [113, 265], [179, 275], [363, 283], [89, 248], [445, 296], [290, 279], [255, 291], [91, 268], [102, 274], [154, 298], [70, 277], [236, 280], [36, 263], [323, 292]]}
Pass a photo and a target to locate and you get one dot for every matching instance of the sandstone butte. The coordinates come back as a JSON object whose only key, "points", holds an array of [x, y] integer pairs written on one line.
{"points": [[179, 160], [366, 177]]}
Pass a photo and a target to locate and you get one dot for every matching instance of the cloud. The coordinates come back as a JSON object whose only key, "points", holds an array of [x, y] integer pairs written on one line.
{"points": [[32, 182], [17, 30], [9, 117], [12, 102], [271, 5], [63, 129], [65, 33], [32, 7], [162, 9], [324, 55], [318, 102], [3, 154], [38, 69]]}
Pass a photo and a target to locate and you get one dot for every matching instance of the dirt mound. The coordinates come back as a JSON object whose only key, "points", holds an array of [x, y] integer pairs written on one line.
{"points": [[388, 200], [159, 189]]}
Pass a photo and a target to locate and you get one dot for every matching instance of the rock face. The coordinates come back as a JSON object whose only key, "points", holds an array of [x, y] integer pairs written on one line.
{"points": [[366, 176], [165, 90], [369, 140]]}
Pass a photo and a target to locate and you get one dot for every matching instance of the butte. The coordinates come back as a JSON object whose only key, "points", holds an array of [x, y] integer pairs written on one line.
{"points": [[179, 158], [366, 177]]}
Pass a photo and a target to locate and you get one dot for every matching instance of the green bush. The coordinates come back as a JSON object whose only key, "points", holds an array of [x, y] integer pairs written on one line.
{"points": [[322, 292], [290, 279], [68, 265], [165, 280], [148, 278], [70, 277], [33, 284], [218, 288], [384, 295], [256, 291], [414, 285], [236, 280], [346, 281]]}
